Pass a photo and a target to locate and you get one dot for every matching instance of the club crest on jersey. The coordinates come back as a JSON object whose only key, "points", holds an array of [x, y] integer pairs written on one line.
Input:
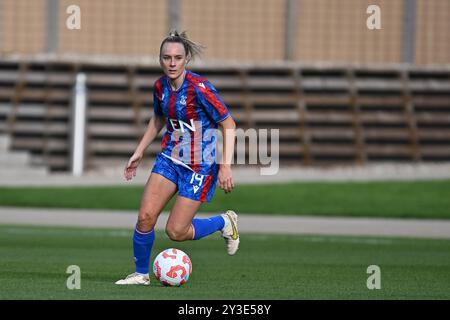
{"points": [[183, 100], [179, 125]]}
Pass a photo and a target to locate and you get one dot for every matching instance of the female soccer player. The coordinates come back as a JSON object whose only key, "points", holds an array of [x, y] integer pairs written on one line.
{"points": [[191, 109]]}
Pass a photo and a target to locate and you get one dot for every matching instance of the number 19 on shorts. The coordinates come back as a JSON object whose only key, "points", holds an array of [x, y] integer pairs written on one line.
{"points": [[197, 177]]}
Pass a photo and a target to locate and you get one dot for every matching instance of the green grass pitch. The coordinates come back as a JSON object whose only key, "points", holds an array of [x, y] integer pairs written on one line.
{"points": [[402, 199], [34, 261]]}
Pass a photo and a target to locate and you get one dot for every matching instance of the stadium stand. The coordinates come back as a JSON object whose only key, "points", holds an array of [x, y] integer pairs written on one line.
{"points": [[325, 114], [338, 91]]}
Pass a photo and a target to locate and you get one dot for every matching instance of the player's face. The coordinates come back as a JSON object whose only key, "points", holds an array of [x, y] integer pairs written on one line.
{"points": [[173, 59]]}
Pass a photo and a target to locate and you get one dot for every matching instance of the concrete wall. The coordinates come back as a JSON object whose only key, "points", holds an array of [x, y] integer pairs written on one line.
{"points": [[234, 30], [336, 31]]}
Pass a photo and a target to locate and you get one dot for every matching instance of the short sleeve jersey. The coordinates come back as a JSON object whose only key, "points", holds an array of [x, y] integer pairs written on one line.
{"points": [[192, 115]]}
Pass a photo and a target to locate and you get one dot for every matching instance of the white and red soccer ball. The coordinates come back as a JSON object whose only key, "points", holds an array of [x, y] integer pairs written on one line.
{"points": [[172, 267]]}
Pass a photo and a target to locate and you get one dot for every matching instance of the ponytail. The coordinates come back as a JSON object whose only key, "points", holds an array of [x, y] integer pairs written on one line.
{"points": [[192, 48]]}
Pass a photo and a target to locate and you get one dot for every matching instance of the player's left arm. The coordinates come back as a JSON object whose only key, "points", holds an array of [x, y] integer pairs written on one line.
{"points": [[225, 177], [216, 108]]}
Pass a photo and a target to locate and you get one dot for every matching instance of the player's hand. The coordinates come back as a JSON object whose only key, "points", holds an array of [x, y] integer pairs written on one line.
{"points": [[133, 163], [225, 178]]}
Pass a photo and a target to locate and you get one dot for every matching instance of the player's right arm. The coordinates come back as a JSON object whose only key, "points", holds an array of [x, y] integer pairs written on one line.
{"points": [[155, 125]]}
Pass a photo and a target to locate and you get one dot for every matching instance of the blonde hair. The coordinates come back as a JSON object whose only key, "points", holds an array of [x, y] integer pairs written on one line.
{"points": [[191, 48]]}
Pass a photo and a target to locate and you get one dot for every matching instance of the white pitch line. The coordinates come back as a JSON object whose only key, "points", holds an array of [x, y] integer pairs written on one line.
{"points": [[251, 223]]}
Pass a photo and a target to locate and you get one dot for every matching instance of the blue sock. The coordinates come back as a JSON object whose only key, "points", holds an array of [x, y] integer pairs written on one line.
{"points": [[142, 246], [204, 227]]}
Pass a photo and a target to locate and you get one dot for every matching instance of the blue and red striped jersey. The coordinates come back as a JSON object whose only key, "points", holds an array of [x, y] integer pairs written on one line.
{"points": [[192, 115]]}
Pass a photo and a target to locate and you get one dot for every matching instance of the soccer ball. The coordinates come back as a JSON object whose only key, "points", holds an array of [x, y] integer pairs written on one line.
{"points": [[172, 267]]}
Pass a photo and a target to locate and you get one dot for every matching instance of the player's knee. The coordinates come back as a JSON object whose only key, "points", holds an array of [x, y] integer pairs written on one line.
{"points": [[176, 234], [146, 220]]}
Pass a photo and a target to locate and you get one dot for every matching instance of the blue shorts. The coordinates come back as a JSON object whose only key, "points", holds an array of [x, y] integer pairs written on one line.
{"points": [[195, 186]]}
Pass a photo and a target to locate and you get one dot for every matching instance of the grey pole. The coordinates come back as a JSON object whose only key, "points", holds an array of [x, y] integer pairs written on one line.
{"points": [[1, 30], [409, 31], [52, 26], [290, 32], [174, 7]]}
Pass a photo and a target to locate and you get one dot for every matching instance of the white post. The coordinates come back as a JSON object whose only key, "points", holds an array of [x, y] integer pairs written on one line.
{"points": [[78, 125]]}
